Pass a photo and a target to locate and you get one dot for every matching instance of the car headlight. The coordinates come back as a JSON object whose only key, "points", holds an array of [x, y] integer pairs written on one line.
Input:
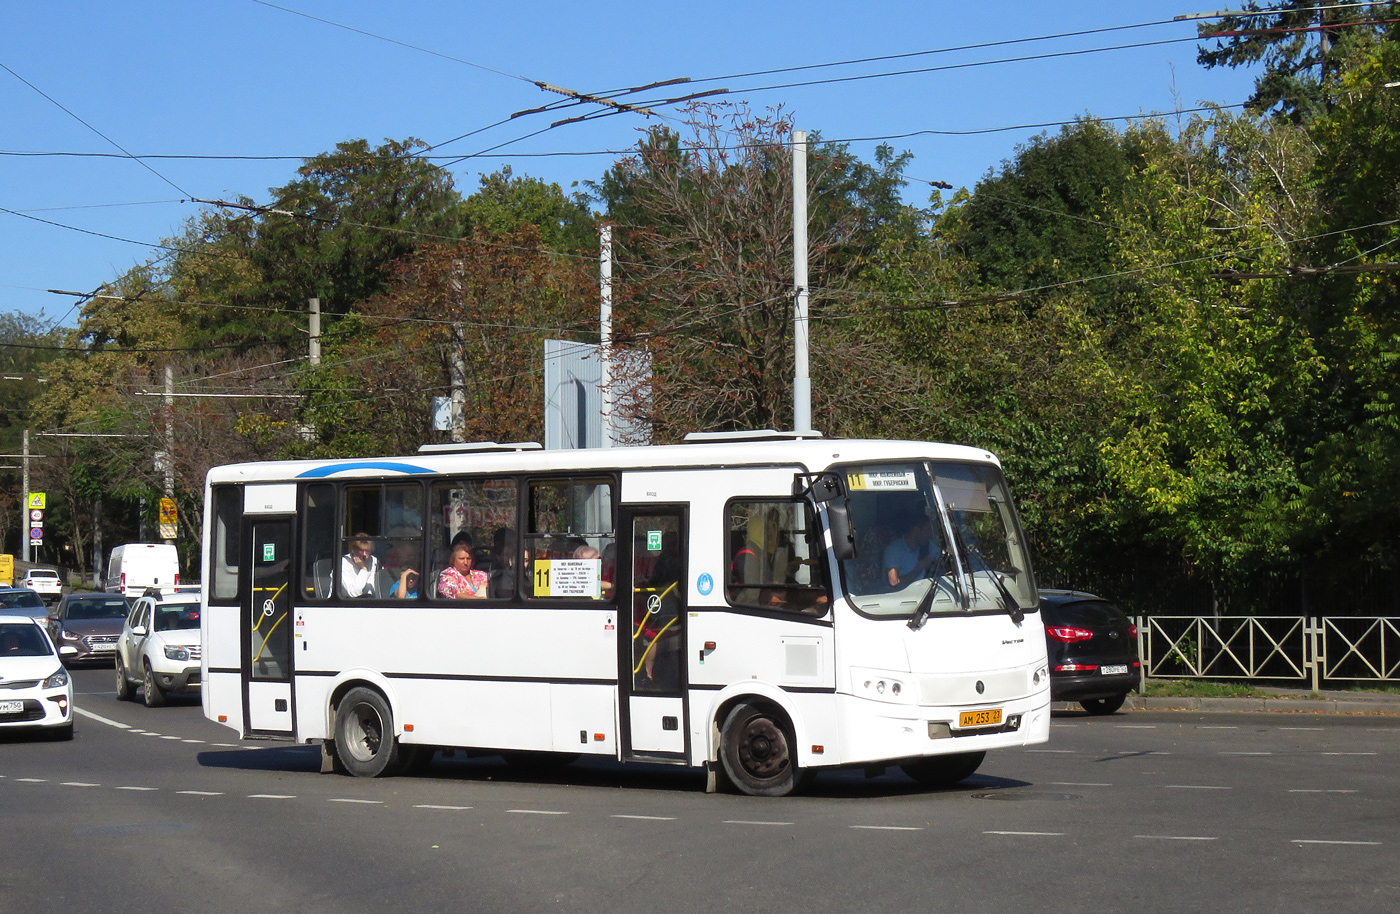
{"points": [[57, 680], [66, 635], [176, 652]]}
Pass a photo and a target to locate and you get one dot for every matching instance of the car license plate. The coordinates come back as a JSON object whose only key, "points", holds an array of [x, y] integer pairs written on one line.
{"points": [[986, 718], [1114, 668], [11, 707]]}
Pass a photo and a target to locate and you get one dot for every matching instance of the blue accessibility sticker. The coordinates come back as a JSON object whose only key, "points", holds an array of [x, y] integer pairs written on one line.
{"points": [[705, 584]]}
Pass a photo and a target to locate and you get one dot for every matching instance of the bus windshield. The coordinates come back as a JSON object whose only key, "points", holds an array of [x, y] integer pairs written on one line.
{"points": [[934, 538]]}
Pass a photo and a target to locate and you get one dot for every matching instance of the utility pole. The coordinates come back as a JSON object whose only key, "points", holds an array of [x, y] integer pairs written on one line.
{"points": [[24, 505], [801, 381], [605, 332], [313, 348], [457, 366], [168, 482]]}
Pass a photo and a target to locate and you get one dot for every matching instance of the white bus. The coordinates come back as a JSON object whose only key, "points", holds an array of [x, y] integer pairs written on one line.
{"points": [[762, 605]]}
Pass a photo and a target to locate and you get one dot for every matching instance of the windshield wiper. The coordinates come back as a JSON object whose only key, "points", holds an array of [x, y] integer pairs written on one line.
{"points": [[1008, 602], [935, 573]]}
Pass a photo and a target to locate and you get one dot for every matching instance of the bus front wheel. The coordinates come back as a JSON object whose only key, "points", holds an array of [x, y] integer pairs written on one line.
{"points": [[364, 735], [944, 770], [756, 749]]}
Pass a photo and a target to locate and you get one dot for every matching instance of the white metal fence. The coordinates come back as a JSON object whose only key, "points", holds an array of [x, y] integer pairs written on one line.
{"points": [[1315, 650]]}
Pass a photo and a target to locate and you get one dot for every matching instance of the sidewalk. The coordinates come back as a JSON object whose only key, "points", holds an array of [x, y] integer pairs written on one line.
{"points": [[1295, 700]]}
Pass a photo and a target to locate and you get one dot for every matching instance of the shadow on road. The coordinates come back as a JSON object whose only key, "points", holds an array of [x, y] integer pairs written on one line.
{"points": [[609, 773]]}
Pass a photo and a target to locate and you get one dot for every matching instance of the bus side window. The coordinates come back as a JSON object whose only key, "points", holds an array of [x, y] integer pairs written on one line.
{"points": [[775, 557], [480, 513], [570, 543]]}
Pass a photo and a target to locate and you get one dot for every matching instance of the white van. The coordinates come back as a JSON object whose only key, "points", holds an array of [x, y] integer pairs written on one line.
{"points": [[134, 567]]}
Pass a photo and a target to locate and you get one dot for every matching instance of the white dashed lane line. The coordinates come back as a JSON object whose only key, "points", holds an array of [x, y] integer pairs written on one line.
{"points": [[751, 822], [138, 788], [1321, 841], [1195, 787], [539, 812], [645, 818], [1302, 790], [201, 793], [78, 784], [1029, 834], [888, 827], [354, 800], [1178, 837], [272, 796], [438, 806]]}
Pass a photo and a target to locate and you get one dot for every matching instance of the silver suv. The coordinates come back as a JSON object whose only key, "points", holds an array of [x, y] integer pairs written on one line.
{"points": [[159, 648]]}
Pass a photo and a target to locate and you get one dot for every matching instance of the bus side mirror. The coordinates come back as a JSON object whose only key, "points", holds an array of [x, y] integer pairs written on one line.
{"points": [[843, 539]]}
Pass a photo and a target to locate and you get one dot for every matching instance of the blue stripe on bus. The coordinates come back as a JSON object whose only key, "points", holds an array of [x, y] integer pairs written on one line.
{"points": [[362, 465]]}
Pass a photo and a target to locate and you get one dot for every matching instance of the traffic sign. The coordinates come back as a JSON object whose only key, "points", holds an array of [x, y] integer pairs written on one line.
{"points": [[36, 515], [37, 499], [36, 534], [169, 518]]}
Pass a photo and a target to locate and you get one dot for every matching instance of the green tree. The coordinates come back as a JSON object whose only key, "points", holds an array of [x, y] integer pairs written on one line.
{"points": [[504, 202], [1301, 44]]}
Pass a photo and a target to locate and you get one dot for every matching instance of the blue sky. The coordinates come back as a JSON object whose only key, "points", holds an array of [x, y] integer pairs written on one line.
{"points": [[244, 78]]}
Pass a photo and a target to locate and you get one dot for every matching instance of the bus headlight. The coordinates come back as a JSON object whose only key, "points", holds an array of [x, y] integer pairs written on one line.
{"points": [[878, 685]]}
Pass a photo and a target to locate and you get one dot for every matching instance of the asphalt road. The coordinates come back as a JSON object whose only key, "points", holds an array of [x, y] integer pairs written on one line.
{"points": [[161, 810]]}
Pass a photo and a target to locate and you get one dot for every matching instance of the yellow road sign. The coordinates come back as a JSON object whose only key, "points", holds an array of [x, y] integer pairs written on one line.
{"points": [[37, 499]]}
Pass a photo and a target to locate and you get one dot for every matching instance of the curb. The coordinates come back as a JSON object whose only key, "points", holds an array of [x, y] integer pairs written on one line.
{"points": [[1277, 705]]}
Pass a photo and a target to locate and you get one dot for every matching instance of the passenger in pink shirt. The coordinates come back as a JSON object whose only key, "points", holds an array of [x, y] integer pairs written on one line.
{"points": [[460, 581]]}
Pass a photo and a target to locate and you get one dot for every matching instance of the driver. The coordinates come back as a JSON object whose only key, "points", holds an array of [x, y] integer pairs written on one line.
{"points": [[907, 556]]}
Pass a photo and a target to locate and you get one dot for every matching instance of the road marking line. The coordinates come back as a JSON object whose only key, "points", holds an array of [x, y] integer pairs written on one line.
{"points": [[1349, 753], [1302, 790], [138, 788], [435, 806], [1195, 787], [538, 812], [1215, 727], [352, 800], [1316, 841], [1136, 726], [1176, 838], [1053, 751], [1309, 729], [229, 745], [202, 793], [78, 784], [648, 818], [889, 827], [32, 780], [1077, 784], [170, 737], [750, 822], [271, 796], [1029, 834], [192, 741], [149, 733], [1246, 753], [100, 719]]}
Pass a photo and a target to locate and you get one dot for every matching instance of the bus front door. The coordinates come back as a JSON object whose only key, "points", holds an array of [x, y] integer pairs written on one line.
{"points": [[267, 634], [652, 648]]}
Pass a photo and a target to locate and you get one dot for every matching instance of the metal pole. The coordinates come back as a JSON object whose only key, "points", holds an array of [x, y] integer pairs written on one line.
{"points": [[314, 346], [605, 332], [457, 365], [24, 513], [168, 481], [801, 382]]}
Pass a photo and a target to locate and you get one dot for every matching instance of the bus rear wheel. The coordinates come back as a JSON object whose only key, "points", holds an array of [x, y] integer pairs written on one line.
{"points": [[364, 735], [756, 749], [944, 770]]}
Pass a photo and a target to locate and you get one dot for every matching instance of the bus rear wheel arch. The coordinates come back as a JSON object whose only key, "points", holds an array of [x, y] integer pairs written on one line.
{"points": [[365, 745], [757, 749]]}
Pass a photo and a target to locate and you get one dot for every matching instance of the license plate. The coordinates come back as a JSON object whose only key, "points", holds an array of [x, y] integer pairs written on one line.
{"points": [[11, 707], [1114, 668], [986, 718]]}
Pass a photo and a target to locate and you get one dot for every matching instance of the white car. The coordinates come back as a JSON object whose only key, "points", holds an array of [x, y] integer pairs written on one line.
{"points": [[45, 582], [159, 649], [35, 690]]}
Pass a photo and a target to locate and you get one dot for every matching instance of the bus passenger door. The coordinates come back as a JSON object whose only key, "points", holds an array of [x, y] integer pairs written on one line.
{"points": [[651, 633], [267, 632]]}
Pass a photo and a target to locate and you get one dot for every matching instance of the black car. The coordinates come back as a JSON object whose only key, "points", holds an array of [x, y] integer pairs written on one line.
{"points": [[1093, 650]]}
